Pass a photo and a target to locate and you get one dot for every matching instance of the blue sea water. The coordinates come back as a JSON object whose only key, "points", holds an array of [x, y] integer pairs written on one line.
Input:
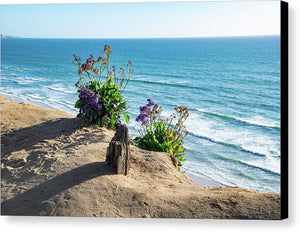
{"points": [[230, 85]]}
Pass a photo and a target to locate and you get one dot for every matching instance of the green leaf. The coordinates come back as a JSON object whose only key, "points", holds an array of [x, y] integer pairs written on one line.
{"points": [[112, 123], [181, 150], [78, 104], [181, 158], [93, 113], [126, 116]]}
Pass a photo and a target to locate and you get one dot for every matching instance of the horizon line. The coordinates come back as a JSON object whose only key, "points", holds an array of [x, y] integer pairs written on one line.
{"points": [[179, 37]]}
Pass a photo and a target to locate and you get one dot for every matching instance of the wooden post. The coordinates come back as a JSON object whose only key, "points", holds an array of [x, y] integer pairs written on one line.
{"points": [[118, 151]]}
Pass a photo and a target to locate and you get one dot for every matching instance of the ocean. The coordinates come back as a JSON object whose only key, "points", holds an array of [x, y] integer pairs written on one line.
{"points": [[231, 86]]}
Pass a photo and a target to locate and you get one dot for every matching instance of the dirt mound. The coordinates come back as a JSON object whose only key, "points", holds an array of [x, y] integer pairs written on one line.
{"points": [[50, 165]]}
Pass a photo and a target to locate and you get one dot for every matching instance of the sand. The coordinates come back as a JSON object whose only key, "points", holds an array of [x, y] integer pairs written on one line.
{"points": [[52, 166]]}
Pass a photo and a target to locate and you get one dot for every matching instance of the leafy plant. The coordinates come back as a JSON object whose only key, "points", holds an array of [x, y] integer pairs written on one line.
{"points": [[100, 90], [157, 134]]}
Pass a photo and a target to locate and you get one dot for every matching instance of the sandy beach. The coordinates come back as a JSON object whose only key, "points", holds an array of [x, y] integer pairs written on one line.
{"points": [[51, 166]]}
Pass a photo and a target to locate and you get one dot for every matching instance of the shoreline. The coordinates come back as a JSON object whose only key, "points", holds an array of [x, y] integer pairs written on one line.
{"points": [[204, 182]]}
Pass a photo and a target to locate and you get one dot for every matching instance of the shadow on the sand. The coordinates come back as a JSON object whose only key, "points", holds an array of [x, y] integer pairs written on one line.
{"points": [[29, 138], [32, 202]]}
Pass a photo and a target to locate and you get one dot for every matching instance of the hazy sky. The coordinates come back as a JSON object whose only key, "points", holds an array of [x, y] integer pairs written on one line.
{"points": [[140, 20]]}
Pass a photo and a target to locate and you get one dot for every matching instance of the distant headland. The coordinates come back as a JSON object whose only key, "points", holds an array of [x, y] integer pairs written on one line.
{"points": [[8, 36]]}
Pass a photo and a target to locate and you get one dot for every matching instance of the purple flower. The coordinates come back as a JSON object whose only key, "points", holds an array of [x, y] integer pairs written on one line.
{"points": [[146, 112], [90, 100], [151, 102], [86, 109], [145, 121], [145, 109], [143, 117]]}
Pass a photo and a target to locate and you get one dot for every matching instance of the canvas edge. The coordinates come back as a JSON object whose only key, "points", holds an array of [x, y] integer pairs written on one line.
{"points": [[284, 108]]}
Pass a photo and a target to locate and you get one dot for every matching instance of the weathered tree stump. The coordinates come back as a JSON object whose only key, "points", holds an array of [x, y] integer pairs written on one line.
{"points": [[118, 151]]}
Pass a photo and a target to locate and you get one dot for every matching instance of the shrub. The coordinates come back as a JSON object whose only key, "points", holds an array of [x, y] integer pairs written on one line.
{"points": [[100, 90], [158, 134]]}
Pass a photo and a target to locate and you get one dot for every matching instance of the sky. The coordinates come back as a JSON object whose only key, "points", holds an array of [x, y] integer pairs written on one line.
{"points": [[142, 20]]}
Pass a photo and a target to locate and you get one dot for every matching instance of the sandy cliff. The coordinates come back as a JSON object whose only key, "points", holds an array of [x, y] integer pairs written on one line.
{"points": [[51, 166]]}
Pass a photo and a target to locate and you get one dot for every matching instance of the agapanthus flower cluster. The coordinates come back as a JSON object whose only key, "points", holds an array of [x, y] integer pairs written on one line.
{"points": [[90, 100], [147, 111]]}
